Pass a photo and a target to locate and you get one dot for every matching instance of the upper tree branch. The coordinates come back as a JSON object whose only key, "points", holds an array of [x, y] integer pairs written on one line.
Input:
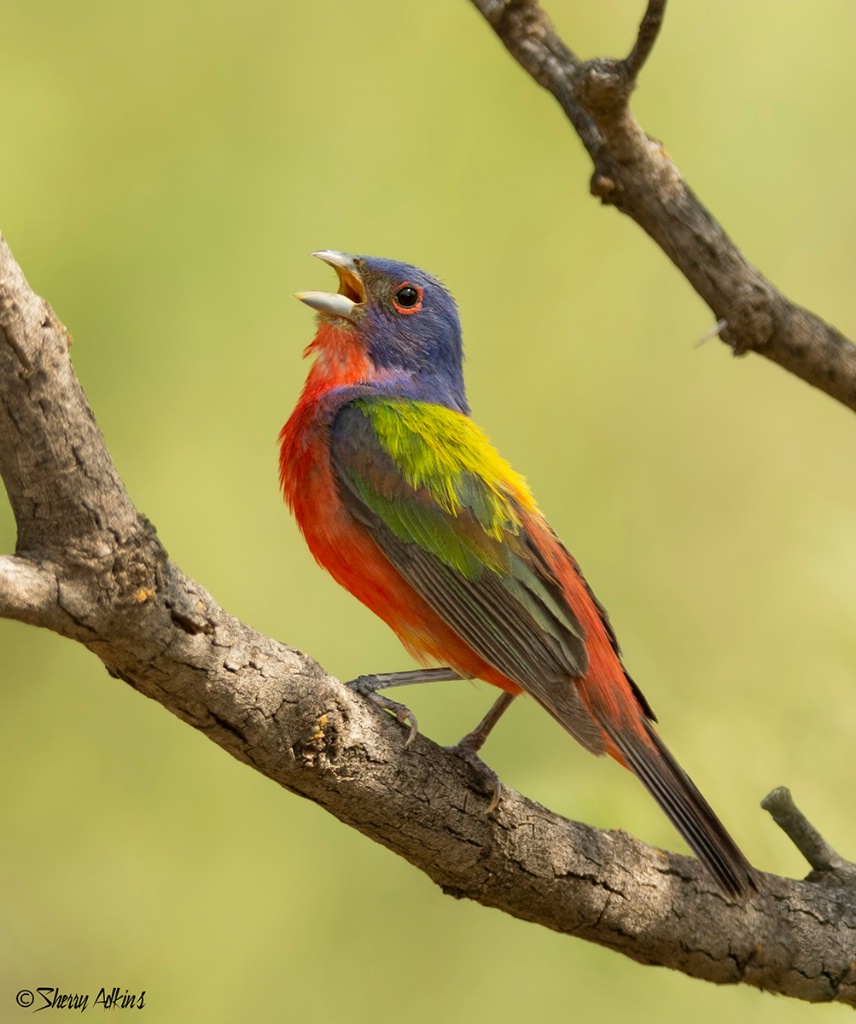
{"points": [[635, 174]]}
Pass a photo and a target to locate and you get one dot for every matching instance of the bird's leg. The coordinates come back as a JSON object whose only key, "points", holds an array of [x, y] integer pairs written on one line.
{"points": [[369, 685], [472, 743], [386, 680], [469, 747]]}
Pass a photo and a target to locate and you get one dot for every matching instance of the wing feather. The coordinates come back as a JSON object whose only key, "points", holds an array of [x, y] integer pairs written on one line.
{"points": [[456, 534]]}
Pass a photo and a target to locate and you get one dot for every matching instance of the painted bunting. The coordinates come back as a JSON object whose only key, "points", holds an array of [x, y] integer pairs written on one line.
{"points": [[403, 499]]}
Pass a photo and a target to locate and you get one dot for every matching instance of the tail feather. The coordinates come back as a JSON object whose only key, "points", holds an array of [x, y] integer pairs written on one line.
{"points": [[685, 807]]}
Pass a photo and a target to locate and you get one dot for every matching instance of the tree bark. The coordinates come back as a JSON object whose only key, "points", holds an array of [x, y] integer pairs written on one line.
{"points": [[91, 568]]}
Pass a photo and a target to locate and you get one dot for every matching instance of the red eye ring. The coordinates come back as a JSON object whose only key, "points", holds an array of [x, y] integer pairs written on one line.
{"points": [[407, 298]]}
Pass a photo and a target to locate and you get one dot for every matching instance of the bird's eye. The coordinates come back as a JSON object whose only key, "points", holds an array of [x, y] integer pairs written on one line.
{"points": [[408, 298]]}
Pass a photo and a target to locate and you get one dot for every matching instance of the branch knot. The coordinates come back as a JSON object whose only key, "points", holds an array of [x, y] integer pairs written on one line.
{"points": [[749, 322], [604, 88]]}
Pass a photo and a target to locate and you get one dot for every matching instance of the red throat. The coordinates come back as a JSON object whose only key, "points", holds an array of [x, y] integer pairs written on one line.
{"points": [[340, 359]]}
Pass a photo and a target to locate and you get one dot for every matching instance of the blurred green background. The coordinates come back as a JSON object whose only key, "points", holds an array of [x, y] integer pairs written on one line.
{"points": [[166, 169]]}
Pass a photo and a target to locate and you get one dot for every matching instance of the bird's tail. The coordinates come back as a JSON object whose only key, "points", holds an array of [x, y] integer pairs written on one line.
{"points": [[685, 807]]}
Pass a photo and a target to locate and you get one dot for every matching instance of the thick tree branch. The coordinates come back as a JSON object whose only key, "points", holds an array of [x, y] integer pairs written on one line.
{"points": [[635, 174], [89, 567], [28, 591]]}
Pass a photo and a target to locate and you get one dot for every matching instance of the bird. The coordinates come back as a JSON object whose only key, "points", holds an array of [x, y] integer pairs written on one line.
{"points": [[402, 498]]}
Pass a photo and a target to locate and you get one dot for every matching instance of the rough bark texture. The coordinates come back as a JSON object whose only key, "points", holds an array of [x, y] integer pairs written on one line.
{"points": [[91, 568]]}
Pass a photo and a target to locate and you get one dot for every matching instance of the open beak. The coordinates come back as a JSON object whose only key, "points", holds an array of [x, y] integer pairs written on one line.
{"points": [[351, 294]]}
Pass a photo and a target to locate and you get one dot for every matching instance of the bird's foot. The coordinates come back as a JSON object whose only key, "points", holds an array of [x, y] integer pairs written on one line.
{"points": [[367, 686], [467, 750]]}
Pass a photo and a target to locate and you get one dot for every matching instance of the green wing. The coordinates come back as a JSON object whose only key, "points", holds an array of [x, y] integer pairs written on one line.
{"points": [[445, 509]]}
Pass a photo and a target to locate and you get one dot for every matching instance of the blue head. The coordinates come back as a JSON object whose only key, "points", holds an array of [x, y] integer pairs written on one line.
{"points": [[405, 322]]}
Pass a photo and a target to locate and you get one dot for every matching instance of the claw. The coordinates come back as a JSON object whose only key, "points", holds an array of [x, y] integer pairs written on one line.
{"points": [[468, 748], [467, 753], [366, 686]]}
